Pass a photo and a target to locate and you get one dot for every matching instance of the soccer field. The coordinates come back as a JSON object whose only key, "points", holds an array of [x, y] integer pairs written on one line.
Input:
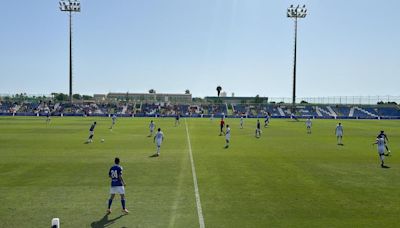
{"points": [[286, 178]]}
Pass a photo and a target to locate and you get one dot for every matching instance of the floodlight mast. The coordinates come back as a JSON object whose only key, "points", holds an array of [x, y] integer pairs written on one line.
{"points": [[295, 12], [70, 6]]}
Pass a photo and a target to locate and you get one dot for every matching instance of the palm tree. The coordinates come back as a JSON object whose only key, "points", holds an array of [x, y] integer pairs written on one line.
{"points": [[219, 88]]}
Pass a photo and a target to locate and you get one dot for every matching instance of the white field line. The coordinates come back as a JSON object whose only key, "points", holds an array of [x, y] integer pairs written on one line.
{"points": [[196, 187]]}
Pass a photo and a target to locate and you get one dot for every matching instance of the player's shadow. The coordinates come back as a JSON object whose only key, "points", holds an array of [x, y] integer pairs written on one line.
{"points": [[104, 222], [153, 156]]}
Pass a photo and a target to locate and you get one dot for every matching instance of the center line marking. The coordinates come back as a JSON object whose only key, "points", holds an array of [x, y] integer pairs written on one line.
{"points": [[196, 187]]}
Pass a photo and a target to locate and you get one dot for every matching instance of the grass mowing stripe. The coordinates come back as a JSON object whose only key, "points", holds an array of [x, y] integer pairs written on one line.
{"points": [[196, 187]]}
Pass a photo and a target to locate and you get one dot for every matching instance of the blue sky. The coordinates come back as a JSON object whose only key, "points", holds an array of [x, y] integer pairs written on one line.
{"points": [[246, 46]]}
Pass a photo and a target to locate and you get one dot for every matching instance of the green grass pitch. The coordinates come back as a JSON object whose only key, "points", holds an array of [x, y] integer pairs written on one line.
{"points": [[286, 178]]}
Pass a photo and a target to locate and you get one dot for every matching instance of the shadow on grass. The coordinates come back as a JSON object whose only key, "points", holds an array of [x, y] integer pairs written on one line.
{"points": [[104, 222], [153, 156]]}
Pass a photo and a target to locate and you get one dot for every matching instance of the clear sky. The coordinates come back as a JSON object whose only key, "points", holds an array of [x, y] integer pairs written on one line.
{"points": [[345, 47]]}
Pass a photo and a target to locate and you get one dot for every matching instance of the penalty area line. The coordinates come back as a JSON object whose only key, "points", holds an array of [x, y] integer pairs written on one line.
{"points": [[196, 187]]}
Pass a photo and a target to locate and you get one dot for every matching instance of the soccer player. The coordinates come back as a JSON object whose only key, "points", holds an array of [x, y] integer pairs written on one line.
{"points": [[221, 125], [308, 125], [114, 119], [48, 117], [151, 127], [241, 122], [177, 120], [91, 132], [381, 150], [258, 129], [266, 121], [158, 138], [384, 136], [227, 136], [339, 134], [117, 185]]}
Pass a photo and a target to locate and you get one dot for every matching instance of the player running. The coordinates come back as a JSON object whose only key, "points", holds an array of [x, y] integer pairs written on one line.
{"points": [[117, 185], [381, 150], [114, 120], [91, 132], [258, 129], [339, 134], [308, 125], [221, 125], [241, 122], [227, 136], [152, 126], [177, 119], [158, 138], [266, 121], [384, 136]]}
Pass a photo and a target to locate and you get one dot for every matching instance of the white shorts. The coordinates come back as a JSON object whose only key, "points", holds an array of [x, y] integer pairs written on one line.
{"points": [[339, 134], [117, 190], [91, 132]]}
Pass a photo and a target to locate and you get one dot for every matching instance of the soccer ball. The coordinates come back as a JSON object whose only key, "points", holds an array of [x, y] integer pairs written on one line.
{"points": [[102, 140]]}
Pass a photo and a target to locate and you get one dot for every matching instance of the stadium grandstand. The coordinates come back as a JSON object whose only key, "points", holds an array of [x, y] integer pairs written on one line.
{"points": [[166, 105]]}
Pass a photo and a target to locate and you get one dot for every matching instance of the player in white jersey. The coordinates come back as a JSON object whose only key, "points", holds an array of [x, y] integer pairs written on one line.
{"points": [[227, 136], [381, 150], [241, 122], [158, 139], [308, 125], [152, 126], [339, 134], [114, 119]]}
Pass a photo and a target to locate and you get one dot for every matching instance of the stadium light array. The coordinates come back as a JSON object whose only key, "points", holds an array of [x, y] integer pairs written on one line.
{"points": [[70, 6], [295, 12]]}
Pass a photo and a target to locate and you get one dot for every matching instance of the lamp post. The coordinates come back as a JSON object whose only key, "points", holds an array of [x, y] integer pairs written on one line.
{"points": [[70, 6], [295, 12]]}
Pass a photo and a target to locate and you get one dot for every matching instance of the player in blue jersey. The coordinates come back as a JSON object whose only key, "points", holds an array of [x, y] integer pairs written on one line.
{"points": [[114, 119], [117, 185], [48, 117], [177, 120], [91, 132], [266, 121]]}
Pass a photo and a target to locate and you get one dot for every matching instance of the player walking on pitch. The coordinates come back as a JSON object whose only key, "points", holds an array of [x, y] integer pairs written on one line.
{"points": [[117, 185], [221, 125], [177, 122], [241, 122], [151, 127], [258, 129], [381, 150], [227, 136], [158, 138], [339, 134], [48, 118], [114, 119], [91, 132], [308, 125], [384, 136]]}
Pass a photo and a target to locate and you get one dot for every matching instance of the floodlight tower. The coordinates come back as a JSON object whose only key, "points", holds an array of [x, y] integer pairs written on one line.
{"points": [[295, 12], [70, 6]]}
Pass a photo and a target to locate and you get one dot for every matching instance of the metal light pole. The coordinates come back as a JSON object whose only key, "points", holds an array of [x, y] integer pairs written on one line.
{"points": [[295, 12], [70, 6]]}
